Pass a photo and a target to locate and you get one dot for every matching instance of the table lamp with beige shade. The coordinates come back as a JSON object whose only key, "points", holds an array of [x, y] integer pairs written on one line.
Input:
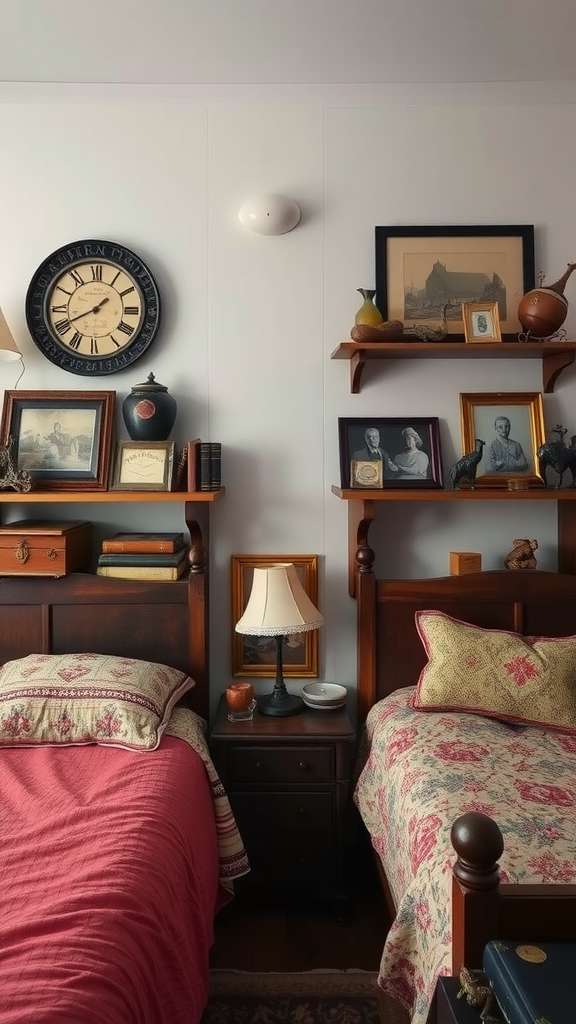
{"points": [[278, 607]]}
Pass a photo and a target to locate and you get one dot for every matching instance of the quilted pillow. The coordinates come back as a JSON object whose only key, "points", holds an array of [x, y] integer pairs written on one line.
{"points": [[528, 681], [87, 698]]}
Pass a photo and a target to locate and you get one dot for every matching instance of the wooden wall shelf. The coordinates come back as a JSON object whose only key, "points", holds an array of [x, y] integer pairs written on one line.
{"points": [[99, 497], [555, 356], [195, 509], [480, 494], [362, 506]]}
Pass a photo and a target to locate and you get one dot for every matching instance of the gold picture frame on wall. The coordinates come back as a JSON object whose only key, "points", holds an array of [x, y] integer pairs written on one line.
{"points": [[481, 322], [255, 656], [511, 425]]}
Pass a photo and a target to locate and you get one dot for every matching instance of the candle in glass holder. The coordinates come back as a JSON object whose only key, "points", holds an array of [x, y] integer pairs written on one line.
{"points": [[240, 701]]}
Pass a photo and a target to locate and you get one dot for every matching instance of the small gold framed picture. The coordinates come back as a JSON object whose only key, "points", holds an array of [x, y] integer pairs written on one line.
{"points": [[366, 473], [481, 322], [143, 466]]}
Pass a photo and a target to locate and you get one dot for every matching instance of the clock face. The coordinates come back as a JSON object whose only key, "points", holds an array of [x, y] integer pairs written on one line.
{"points": [[93, 307]]}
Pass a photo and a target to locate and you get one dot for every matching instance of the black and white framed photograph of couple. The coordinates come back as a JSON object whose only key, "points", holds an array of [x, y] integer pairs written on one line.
{"points": [[510, 429], [62, 439], [407, 451], [424, 274]]}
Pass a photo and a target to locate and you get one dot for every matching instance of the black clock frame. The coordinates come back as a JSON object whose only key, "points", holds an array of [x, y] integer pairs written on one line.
{"points": [[39, 292]]}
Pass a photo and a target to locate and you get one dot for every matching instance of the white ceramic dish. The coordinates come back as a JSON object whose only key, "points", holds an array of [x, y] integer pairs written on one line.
{"points": [[324, 707], [323, 695]]}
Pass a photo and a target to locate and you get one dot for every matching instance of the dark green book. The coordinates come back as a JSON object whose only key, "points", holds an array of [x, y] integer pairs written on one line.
{"points": [[156, 559]]}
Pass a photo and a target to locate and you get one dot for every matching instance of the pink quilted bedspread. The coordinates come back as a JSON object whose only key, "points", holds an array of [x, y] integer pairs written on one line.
{"points": [[421, 770], [109, 881]]}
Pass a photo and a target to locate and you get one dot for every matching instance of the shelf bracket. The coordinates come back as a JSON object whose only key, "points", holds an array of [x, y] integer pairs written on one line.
{"points": [[198, 536], [360, 554], [357, 364], [552, 366]]}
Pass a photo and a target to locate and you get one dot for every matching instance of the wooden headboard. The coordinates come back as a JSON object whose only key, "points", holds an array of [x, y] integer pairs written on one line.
{"points": [[390, 652], [163, 622]]}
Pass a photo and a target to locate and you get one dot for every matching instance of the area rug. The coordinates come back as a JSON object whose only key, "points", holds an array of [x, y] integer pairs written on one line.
{"points": [[311, 997]]}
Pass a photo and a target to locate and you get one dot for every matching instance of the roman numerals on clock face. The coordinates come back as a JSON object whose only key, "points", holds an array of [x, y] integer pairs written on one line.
{"points": [[93, 307]]}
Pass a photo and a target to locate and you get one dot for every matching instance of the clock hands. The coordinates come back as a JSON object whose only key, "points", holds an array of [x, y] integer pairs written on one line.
{"points": [[95, 309]]}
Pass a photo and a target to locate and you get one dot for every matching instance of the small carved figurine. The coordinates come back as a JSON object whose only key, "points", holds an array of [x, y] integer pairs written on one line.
{"points": [[465, 468], [558, 456], [522, 555], [17, 479], [425, 332], [476, 987]]}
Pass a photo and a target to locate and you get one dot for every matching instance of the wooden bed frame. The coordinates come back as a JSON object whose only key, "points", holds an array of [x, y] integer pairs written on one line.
{"points": [[162, 622], [391, 656]]}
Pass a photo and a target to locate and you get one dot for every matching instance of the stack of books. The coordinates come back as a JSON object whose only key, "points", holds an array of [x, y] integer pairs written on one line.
{"points": [[144, 556], [199, 467]]}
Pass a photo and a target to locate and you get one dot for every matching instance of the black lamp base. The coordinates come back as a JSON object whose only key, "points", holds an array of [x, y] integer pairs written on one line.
{"points": [[280, 703]]}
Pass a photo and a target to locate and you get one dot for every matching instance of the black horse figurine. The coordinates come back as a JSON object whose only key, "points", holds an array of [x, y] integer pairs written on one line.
{"points": [[559, 456], [465, 468]]}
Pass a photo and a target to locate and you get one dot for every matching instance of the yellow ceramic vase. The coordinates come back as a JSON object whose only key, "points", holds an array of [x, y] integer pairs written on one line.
{"points": [[369, 315]]}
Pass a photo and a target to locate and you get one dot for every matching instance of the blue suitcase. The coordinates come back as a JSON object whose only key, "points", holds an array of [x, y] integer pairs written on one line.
{"points": [[533, 982]]}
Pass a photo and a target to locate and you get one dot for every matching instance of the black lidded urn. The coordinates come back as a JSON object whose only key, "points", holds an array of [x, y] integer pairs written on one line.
{"points": [[149, 411]]}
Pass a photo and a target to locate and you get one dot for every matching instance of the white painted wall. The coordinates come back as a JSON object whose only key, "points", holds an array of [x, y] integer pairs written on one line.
{"points": [[250, 321]]}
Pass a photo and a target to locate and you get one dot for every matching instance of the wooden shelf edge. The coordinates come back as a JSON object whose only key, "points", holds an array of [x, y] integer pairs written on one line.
{"points": [[555, 356], [480, 494], [101, 497]]}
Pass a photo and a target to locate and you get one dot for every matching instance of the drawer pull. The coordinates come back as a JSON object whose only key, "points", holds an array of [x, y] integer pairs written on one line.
{"points": [[259, 766], [51, 553], [304, 766], [303, 813], [22, 552]]}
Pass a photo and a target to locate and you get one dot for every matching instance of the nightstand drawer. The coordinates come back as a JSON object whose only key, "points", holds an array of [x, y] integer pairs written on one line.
{"points": [[260, 812], [302, 863], [281, 764]]}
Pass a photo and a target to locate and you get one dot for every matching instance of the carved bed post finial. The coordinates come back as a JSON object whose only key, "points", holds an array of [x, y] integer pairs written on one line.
{"points": [[478, 843], [365, 558]]}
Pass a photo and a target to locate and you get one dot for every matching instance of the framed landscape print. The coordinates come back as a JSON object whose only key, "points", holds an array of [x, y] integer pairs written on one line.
{"points": [[423, 271], [62, 439]]}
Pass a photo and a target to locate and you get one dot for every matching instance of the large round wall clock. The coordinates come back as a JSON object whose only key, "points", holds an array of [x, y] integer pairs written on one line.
{"points": [[93, 307]]}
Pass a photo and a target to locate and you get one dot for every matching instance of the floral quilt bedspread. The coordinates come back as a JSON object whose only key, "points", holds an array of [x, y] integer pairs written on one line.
{"points": [[418, 771]]}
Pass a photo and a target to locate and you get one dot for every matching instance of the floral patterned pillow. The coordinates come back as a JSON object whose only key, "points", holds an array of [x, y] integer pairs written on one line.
{"points": [[526, 680], [87, 698]]}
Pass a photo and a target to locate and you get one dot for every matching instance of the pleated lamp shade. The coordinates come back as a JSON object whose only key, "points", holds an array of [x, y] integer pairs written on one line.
{"points": [[278, 604], [9, 350]]}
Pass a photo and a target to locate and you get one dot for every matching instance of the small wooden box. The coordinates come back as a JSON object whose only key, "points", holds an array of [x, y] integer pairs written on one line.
{"points": [[37, 548], [463, 562]]}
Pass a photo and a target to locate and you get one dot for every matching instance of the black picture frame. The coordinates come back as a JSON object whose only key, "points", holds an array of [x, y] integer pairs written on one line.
{"points": [[486, 262], [81, 460], [393, 443]]}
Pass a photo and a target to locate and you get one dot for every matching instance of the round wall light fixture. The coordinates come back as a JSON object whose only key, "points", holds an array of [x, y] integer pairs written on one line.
{"points": [[270, 215]]}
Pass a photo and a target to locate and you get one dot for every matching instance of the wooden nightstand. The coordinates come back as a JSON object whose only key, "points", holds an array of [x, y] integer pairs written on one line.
{"points": [[288, 781]]}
